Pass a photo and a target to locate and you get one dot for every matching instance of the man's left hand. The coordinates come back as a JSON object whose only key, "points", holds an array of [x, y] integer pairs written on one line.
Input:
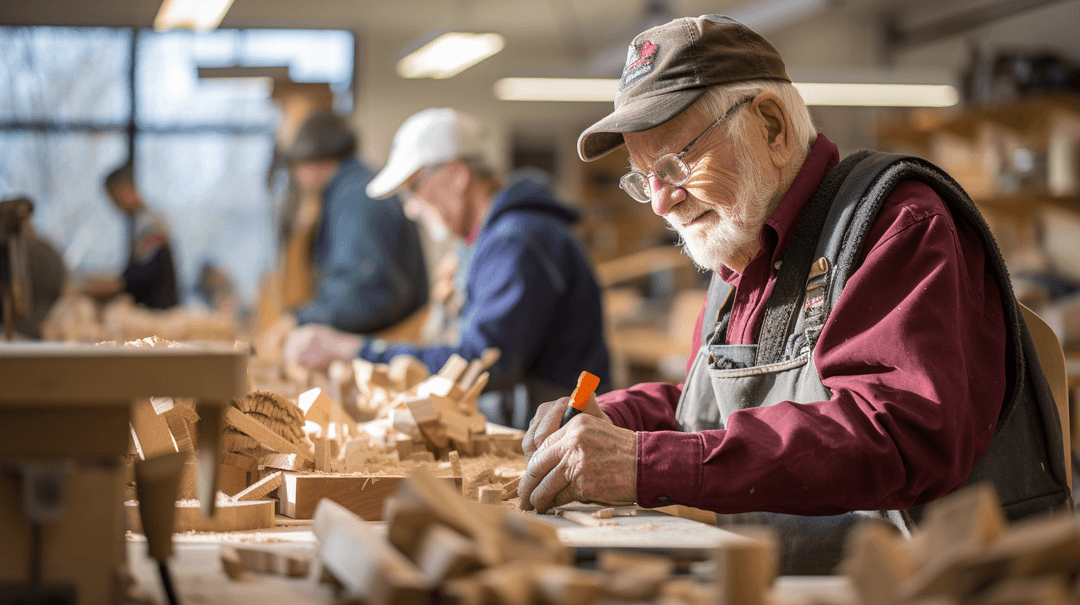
{"points": [[588, 460]]}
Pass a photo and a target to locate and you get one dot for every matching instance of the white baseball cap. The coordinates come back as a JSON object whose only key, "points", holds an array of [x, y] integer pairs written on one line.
{"points": [[430, 138]]}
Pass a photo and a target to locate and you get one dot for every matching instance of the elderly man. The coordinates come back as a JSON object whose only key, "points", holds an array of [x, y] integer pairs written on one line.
{"points": [[860, 352], [529, 288]]}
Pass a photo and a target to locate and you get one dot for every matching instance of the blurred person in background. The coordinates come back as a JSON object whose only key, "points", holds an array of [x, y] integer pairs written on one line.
{"points": [[355, 263], [47, 274], [529, 288], [150, 274]]}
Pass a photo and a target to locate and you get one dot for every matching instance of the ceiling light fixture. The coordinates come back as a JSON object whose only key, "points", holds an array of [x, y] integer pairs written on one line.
{"points": [[449, 54], [603, 90], [556, 89], [198, 15]]}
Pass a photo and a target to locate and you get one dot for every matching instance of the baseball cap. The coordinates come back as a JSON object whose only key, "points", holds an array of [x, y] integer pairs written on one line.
{"points": [[670, 66], [432, 137]]}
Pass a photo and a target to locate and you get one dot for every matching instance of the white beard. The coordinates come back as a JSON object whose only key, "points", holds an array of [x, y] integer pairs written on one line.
{"points": [[736, 227]]}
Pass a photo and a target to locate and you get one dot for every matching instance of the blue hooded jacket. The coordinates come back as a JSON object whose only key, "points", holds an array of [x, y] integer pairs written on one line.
{"points": [[369, 258], [531, 292]]}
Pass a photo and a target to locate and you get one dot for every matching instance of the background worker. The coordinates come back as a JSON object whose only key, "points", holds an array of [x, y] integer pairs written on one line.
{"points": [[150, 274], [840, 371], [529, 288], [363, 256]]}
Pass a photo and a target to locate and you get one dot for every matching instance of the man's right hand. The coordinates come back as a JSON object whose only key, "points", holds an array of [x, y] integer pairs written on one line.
{"points": [[547, 419], [314, 346]]}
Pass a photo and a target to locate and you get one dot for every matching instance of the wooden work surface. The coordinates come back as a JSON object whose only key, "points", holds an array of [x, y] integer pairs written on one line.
{"points": [[199, 578], [34, 373]]}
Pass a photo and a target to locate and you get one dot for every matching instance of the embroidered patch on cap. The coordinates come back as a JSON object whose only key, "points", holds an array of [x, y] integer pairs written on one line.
{"points": [[639, 62]]}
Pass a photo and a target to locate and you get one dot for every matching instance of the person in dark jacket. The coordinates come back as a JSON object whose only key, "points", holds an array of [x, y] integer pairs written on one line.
{"points": [[150, 274], [529, 286], [368, 260]]}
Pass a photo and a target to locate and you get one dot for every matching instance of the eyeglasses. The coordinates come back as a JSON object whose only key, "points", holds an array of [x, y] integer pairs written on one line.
{"points": [[670, 168]]}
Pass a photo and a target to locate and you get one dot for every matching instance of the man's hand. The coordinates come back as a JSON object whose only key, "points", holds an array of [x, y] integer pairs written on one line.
{"points": [[546, 421], [314, 346], [588, 460]]}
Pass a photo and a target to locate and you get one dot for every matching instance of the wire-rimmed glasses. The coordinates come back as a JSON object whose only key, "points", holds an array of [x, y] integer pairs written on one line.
{"points": [[670, 168]]}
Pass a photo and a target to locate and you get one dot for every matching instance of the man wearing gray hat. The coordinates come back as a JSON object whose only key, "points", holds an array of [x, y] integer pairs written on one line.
{"points": [[860, 352], [369, 265]]}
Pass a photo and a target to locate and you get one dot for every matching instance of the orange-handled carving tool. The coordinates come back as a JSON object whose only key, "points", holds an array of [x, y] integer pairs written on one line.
{"points": [[586, 386]]}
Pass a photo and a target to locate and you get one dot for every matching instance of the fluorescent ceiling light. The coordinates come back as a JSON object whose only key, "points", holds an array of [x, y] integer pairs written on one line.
{"points": [[556, 89], [879, 95], [449, 55], [596, 89], [771, 14], [199, 15]]}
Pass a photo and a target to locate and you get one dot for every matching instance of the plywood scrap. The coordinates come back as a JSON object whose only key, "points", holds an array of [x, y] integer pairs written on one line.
{"points": [[237, 560], [261, 488]]}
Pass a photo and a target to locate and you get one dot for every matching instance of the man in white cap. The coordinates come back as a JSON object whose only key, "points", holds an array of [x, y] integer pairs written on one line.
{"points": [[860, 352], [529, 287]]}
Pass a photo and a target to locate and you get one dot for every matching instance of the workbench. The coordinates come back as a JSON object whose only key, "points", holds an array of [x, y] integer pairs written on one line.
{"points": [[199, 577], [65, 413]]}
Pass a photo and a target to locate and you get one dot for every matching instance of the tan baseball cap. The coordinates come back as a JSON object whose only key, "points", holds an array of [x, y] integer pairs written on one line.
{"points": [[670, 66]]}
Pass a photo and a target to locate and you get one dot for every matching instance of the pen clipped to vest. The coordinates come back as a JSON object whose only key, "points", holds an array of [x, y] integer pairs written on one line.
{"points": [[586, 386]]}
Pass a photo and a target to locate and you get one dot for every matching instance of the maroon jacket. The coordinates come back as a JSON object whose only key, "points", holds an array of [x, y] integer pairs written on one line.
{"points": [[914, 354]]}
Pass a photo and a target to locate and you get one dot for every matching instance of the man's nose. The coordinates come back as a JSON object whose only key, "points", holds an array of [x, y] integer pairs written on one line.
{"points": [[665, 196]]}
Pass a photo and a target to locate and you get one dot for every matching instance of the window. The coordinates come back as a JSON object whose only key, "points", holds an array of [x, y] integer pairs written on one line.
{"points": [[202, 147]]}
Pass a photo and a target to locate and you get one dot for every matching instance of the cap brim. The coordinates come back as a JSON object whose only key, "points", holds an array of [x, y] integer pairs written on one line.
{"points": [[391, 178], [641, 114]]}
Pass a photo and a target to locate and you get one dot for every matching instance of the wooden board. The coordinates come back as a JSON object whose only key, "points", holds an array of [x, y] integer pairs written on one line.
{"points": [[362, 495], [260, 488], [152, 434], [228, 516]]}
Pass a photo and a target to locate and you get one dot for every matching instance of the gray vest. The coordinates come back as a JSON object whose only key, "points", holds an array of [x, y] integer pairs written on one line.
{"points": [[1025, 459]]}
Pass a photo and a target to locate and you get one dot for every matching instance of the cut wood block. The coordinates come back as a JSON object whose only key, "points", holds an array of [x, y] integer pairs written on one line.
{"points": [[444, 554], [961, 523], [468, 401], [231, 480], [567, 585], [746, 569], [635, 576], [490, 494], [240, 461], [322, 455], [261, 488], [363, 561], [368, 375], [152, 435], [362, 495], [510, 489], [228, 516], [406, 371], [167, 406], [439, 385], [461, 427], [286, 462], [422, 409], [453, 368], [604, 513], [403, 421], [319, 408], [510, 584], [238, 560], [406, 523], [263, 435], [471, 373]]}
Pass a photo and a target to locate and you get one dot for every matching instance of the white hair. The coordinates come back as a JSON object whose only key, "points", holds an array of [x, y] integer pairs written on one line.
{"points": [[721, 97]]}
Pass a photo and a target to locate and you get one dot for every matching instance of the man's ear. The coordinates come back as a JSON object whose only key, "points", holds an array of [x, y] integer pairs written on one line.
{"points": [[776, 129], [457, 176]]}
